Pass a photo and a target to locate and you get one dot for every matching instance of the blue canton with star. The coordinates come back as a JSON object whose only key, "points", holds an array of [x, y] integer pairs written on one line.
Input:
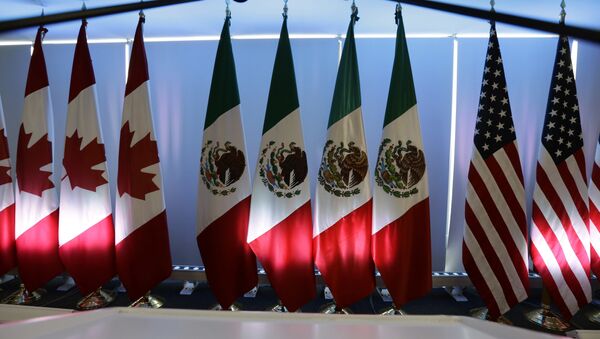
{"points": [[494, 127], [562, 127]]}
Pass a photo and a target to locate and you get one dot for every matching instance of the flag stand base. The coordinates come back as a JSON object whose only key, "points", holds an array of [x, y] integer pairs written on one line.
{"points": [[24, 297], [279, 308], [332, 308], [97, 299], [392, 310], [546, 319], [148, 301], [593, 316], [232, 308], [482, 313]]}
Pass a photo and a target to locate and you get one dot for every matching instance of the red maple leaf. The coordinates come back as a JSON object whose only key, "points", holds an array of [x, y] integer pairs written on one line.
{"points": [[79, 162], [132, 159], [30, 160], [4, 175]]}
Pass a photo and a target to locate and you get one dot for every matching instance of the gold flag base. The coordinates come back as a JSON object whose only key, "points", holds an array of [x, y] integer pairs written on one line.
{"points": [[148, 301], [483, 314], [332, 308], [392, 310], [593, 315], [546, 319], [97, 299], [232, 308], [24, 297]]}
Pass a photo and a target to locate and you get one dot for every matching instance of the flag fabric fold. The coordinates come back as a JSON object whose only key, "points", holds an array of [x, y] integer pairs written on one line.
{"points": [[280, 229], [594, 196], [143, 255], [36, 206], [86, 231], [495, 238], [343, 215], [8, 256], [560, 234], [224, 187], [401, 241]]}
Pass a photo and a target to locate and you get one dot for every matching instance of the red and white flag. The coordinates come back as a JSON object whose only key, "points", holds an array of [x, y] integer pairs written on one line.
{"points": [[495, 239], [594, 193], [8, 258], [343, 214], [36, 216], [141, 234], [560, 237], [224, 188], [85, 233]]}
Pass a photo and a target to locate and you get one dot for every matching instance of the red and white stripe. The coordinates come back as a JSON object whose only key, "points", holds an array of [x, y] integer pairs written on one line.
{"points": [[594, 196], [560, 240], [36, 217], [495, 240], [8, 259]]}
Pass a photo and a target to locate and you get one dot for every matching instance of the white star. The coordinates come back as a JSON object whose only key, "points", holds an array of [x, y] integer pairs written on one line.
{"points": [[485, 82], [557, 88], [476, 131], [563, 116], [491, 110], [489, 122], [558, 153], [555, 100], [480, 108], [490, 45], [502, 113], [493, 32], [563, 51], [581, 136], [497, 73], [486, 70], [478, 119], [565, 104], [575, 108], [548, 137], [495, 85], [566, 39], [553, 113], [570, 67], [493, 98], [568, 144], [570, 132], [567, 91], [550, 125], [498, 138], [486, 147], [569, 79], [512, 129], [489, 57], [559, 76], [482, 95], [573, 120], [499, 60], [560, 141], [487, 134], [505, 101], [561, 63], [562, 128], [500, 126]]}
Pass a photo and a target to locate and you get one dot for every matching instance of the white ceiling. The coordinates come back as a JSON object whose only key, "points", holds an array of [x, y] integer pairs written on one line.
{"points": [[305, 16]]}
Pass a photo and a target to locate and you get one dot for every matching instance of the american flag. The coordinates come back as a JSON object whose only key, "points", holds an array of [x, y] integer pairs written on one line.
{"points": [[594, 193], [560, 239], [495, 239]]}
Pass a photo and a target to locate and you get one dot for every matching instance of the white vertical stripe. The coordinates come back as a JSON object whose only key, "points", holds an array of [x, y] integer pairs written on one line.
{"points": [[497, 244], [579, 179], [501, 203], [553, 268], [486, 271], [511, 174], [594, 237], [594, 195], [563, 239]]}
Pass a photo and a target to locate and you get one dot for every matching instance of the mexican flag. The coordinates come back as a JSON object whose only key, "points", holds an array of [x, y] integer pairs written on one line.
{"points": [[141, 233], [224, 187], [86, 233], [280, 230], [401, 240], [342, 230], [36, 206], [8, 259]]}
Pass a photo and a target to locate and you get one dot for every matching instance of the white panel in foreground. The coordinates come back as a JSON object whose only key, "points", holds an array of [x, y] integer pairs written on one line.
{"points": [[165, 323]]}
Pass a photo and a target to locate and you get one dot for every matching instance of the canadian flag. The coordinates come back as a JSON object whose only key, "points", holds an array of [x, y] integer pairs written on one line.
{"points": [[343, 216], [224, 188], [36, 229], [280, 230], [86, 233], [141, 233], [8, 259]]}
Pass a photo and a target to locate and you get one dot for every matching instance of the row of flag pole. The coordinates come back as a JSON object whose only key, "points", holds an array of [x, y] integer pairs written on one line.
{"points": [[353, 230]]}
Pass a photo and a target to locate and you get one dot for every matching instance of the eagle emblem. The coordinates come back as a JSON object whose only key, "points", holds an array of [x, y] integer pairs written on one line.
{"points": [[399, 168], [343, 168], [282, 168], [221, 167]]}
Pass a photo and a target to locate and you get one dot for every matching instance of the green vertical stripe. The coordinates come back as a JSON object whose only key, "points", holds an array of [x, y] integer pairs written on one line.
{"points": [[346, 96], [283, 94], [402, 89], [224, 94]]}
